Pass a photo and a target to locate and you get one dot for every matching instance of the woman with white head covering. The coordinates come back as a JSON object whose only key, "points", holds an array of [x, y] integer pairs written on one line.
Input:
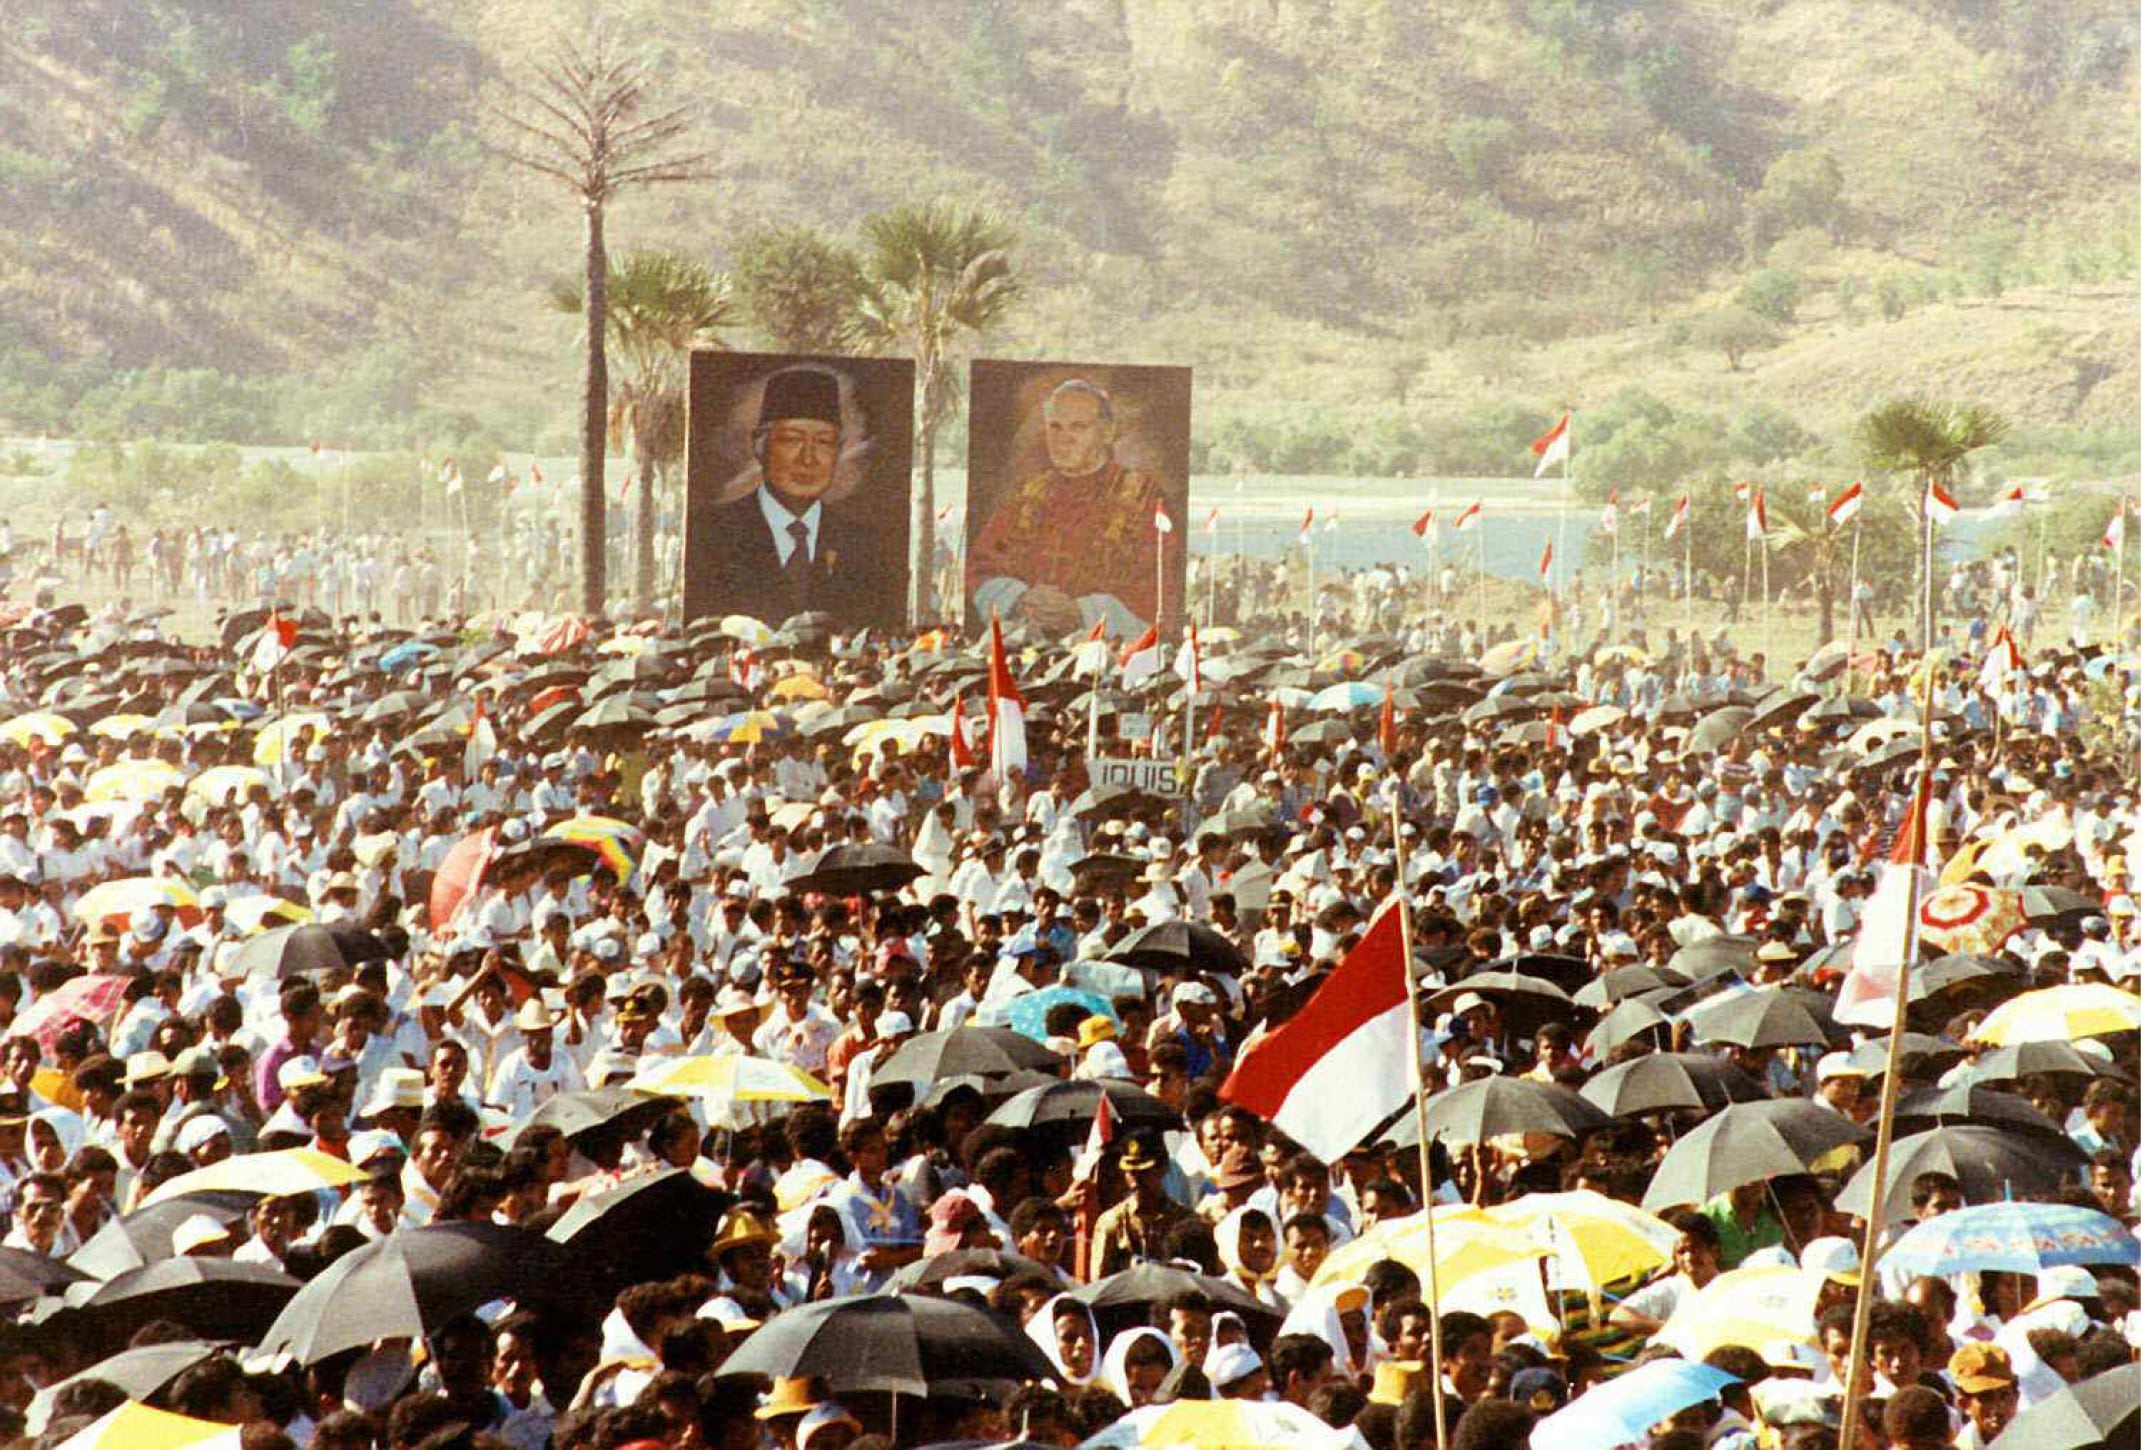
{"points": [[1137, 1363], [1249, 1250], [1337, 1314], [55, 1135], [1066, 1331]]}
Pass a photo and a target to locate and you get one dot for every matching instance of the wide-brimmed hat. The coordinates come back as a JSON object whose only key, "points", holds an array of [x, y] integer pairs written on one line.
{"points": [[740, 1226], [397, 1087], [534, 1016], [790, 1395]]}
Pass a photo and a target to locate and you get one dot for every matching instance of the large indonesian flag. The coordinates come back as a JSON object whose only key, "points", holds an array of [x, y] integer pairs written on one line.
{"points": [[1007, 710], [1551, 447], [1343, 1063], [1886, 937]]}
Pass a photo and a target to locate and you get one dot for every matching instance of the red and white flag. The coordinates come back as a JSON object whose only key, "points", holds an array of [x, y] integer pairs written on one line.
{"points": [[277, 636], [1757, 517], [1141, 658], [1742, 490], [1847, 505], [1546, 562], [1422, 524], [1641, 506], [1097, 1139], [745, 669], [1211, 521], [962, 749], [1189, 664], [1275, 730], [1816, 495], [1609, 517], [2009, 504], [1308, 523], [2003, 661], [1467, 520], [1940, 506], [497, 474], [1679, 520], [1007, 710], [1551, 447], [1886, 939], [2115, 531], [1343, 1063], [1161, 523], [535, 472], [1386, 725]]}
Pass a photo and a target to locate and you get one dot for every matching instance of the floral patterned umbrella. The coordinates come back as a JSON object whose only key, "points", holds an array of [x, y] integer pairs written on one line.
{"points": [[1975, 920]]}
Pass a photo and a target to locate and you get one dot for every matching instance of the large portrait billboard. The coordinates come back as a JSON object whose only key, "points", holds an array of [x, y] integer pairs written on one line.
{"points": [[1067, 466], [796, 487]]}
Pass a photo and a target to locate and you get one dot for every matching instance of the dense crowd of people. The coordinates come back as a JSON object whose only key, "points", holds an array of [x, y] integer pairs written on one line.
{"points": [[563, 1033]]}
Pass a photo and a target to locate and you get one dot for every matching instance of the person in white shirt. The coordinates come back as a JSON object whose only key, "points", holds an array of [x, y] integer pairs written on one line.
{"points": [[533, 1072]]}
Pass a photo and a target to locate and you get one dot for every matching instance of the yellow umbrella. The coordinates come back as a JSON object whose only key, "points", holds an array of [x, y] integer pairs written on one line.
{"points": [[1758, 1308], [135, 1426], [1222, 1425], [119, 727], [271, 742], [44, 726], [1467, 1242], [279, 1174], [134, 895], [746, 630], [725, 1083], [800, 687], [256, 913], [133, 780], [617, 843], [222, 785], [1595, 1240], [2060, 1014], [625, 645], [1510, 656]]}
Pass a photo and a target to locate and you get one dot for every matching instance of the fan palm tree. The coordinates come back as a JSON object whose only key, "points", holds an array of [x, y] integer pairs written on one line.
{"points": [[1929, 441], [661, 306], [932, 276]]}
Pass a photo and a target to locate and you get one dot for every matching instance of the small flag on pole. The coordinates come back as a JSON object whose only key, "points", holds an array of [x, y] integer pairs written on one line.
{"points": [[1188, 664], [962, 748], [1551, 447], [1757, 517], [1940, 506], [1609, 517], [1161, 523], [1007, 710], [1679, 520], [2115, 531], [1469, 519], [1422, 524], [1546, 561], [2009, 504], [1141, 659], [1847, 505], [1308, 522], [1211, 521]]}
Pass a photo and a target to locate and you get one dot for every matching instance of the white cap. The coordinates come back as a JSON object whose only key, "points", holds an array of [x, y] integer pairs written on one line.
{"points": [[893, 1024], [1837, 1064], [197, 1131], [197, 1231], [1230, 1364], [1194, 992]]}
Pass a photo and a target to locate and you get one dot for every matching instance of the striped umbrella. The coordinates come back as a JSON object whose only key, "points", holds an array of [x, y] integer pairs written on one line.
{"points": [[95, 999], [616, 842]]}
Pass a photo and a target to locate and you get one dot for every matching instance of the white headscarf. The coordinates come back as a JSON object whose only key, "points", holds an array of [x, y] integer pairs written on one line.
{"points": [[1041, 1329], [1316, 1313], [1115, 1367], [1228, 1236]]}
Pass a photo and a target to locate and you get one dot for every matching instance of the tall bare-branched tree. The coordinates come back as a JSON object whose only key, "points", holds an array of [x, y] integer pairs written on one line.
{"points": [[583, 118]]}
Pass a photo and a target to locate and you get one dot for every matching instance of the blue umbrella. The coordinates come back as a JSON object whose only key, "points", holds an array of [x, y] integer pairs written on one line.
{"points": [[2021, 1238], [408, 652], [1028, 1013], [1616, 1413], [1348, 695]]}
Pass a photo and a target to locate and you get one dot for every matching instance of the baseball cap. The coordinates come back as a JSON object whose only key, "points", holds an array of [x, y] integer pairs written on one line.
{"points": [[1231, 1364], [1835, 1065]]}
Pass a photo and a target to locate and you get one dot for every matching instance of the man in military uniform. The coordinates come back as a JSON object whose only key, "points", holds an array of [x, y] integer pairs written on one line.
{"points": [[780, 550], [1074, 543]]}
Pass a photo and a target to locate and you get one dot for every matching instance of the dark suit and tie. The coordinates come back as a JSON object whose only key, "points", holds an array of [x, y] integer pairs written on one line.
{"points": [[780, 549]]}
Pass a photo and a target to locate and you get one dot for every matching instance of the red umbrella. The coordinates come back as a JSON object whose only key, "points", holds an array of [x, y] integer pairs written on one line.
{"points": [[460, 874], [94, 999]]}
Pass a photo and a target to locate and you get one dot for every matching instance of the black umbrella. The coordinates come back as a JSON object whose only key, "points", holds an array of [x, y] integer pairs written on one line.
{"points": [[903, 1344], [1718, 730], [1497, 1107], [652, 1226], [1763, 1017], [1921, 1052], [144, 1371], [1182, 947], [963, 1052], [222, 1299], [25, 1275], [593, 1109], [394, 705], [1714, 956], [2027, 1059], [1144, 1285], [1323, 732], [2051, 903], [859, 869], [1946, 974], [1934, 1107], [961, 1263], [1745, 1143], [1526, 1002], [1992, 1164], [144, 1236], [293, 951], [1113, 802], [1067, 1108], [1622, 983], [2103, 1410], [1781, 708], [1667, 1081], [1106, 868], [1628, 1020], [1248, 821], [412, 1281]]}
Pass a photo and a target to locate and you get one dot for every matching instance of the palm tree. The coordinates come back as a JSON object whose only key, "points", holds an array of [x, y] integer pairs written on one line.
{"points": [[583, 120], [1929, 441], [933, 274], [661, 306]]}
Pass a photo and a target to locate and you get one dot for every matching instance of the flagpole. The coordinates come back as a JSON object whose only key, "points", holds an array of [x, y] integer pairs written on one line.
{"points": [[1613, 585], [1687, 573], [1851, 629], [1241, 553], [1561, 513], [1915, 827], [1312, 591], [1419, 1107], [1766, 647], [1643, 567], [1159, 581], [1479, 530]]}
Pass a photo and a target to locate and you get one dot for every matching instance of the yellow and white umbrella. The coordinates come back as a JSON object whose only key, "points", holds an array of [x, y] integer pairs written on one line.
{"points": [[1595, 1240], [222, 785], [2060, 1014], [253, 914], [43, 726], [1222, 1425], [745, 630], [1466, 1243], [725, 1083], [272, 741], [279, 1174], [123, 726], [1759, 1308], [135, 1426], [800, 687], [133, 780], [132, 896]]}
